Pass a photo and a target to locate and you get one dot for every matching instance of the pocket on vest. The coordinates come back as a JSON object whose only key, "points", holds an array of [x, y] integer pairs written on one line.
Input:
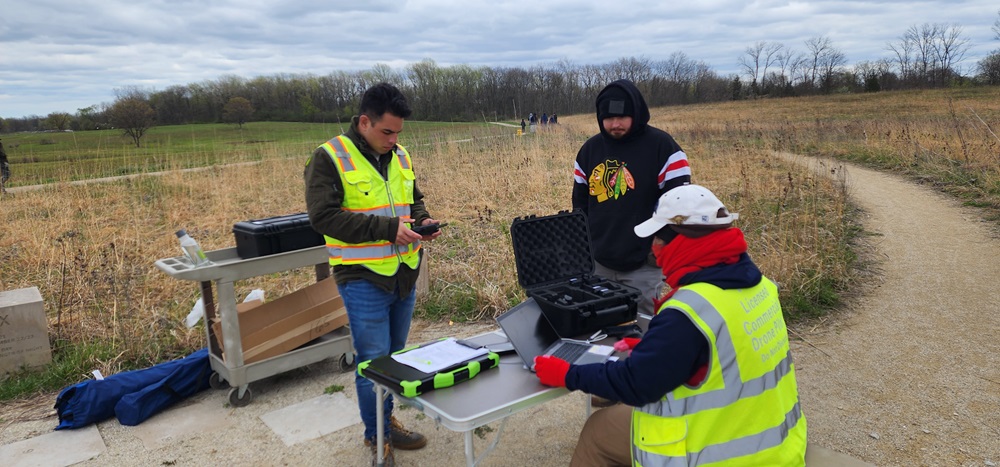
{"points": [[659, 435]]}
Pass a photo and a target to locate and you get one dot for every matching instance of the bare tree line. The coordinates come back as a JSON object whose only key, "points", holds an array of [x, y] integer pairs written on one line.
{"points": [[453, 93], [925, 55]]}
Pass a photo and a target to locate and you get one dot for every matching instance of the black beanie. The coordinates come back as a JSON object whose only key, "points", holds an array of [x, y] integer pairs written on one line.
{"points": [[614, 102]]}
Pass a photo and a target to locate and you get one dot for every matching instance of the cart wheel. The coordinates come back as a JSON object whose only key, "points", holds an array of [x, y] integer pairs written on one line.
{"points": [[236, 401], [346, 365], [215, 381]]}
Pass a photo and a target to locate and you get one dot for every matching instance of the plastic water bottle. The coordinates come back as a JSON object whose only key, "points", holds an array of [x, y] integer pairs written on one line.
{"points": [[192, 250]]}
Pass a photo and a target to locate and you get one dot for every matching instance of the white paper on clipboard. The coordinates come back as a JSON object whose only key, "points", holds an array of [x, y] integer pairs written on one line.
{"points": [[439, 355]]}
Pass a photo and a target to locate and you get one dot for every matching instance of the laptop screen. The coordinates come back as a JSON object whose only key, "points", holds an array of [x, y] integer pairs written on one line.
{"points": [[528, 330]]}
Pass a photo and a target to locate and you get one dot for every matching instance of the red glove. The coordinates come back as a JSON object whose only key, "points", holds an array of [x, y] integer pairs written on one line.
{"points": [[698, 376], [551, 371], [627, 343]]}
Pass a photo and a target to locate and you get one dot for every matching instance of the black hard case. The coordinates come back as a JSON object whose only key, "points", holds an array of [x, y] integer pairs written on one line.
{"points": [[279, 234], [555, 266]]}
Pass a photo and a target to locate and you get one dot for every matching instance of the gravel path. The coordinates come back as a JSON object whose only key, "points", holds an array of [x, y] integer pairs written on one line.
{"points": [[908, 374]]}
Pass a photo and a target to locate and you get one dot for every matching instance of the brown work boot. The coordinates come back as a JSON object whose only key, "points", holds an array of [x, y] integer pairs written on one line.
{"points": [[401, 437], [405, 439], [389, 459]]}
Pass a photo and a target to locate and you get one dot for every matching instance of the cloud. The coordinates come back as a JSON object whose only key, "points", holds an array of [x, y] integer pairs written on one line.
{"points": [[61, 55]]}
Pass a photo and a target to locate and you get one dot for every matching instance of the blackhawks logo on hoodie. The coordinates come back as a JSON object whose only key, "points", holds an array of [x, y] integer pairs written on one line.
{"points": [[610, 180]]}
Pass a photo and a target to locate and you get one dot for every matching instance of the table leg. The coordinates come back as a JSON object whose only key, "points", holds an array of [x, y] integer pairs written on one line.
{"points": [[379, 424], [232, 343], [470, 451]]}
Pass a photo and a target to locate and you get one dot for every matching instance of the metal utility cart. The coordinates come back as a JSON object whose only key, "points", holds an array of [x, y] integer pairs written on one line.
{"points": [[226, 268]]}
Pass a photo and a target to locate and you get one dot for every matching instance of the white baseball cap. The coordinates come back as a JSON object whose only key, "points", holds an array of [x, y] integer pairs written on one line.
{"points": [[686, 205]]}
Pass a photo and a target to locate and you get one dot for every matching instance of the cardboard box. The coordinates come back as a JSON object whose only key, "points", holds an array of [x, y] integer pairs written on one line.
{"points": [[278, 326]]}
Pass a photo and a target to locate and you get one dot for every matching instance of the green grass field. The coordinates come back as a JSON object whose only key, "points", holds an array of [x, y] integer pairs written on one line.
{"points": [[39, 158]]}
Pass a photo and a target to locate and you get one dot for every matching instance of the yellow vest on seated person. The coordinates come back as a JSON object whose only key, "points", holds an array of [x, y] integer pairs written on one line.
{"points": [[746, 411]]}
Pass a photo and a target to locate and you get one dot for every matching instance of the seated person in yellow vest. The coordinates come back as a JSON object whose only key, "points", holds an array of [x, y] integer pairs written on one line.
{"points": [[712, 380], [362, 195]]}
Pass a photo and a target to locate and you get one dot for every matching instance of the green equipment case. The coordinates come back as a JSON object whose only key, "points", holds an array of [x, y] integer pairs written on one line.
{"points": [[411, 382]]}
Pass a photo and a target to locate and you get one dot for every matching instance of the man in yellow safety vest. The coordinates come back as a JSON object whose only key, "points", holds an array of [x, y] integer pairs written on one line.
{"points": [[362, 196], [712, 381]]}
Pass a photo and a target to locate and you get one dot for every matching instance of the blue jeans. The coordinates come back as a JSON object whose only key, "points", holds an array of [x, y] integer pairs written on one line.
{"points": [[380, 323]]}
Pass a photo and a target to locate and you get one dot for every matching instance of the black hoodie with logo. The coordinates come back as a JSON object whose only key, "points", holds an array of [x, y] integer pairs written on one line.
{"points": [[617, 182]]}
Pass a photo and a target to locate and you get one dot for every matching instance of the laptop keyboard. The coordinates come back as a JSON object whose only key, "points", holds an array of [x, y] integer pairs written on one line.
{"points": [[570, 351]]}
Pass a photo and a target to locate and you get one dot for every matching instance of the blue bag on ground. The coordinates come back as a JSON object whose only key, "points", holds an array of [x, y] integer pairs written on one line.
{"points": [[92, 401], [187, 379]]}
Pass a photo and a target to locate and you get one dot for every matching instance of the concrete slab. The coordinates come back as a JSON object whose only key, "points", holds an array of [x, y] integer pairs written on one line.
{"points": [[50, 450], [180, 423], [312, 418], [817, 456]]}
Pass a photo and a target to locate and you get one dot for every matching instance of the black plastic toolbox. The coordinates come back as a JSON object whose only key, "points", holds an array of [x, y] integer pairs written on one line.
{"points": [[555, 266], [279, 234]]}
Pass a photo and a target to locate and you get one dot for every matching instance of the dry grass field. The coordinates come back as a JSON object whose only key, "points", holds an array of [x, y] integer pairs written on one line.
{"points": [[90, 248]]}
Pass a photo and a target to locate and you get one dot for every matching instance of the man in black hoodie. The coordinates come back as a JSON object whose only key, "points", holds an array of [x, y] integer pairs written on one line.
{"points": [[619, 175]]}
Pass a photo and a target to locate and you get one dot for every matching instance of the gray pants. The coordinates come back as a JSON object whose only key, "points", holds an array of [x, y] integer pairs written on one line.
{"points": [[648, 279]]}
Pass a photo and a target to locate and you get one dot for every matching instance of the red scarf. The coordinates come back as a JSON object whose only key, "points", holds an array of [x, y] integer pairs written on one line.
{"points": [[685, 255]]}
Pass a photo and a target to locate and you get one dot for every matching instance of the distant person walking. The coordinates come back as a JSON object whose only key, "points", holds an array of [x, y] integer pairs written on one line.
{"points": [[4, 169], [523, 125]]}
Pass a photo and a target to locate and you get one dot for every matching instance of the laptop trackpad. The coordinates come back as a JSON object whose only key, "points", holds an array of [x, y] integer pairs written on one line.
{"points": [[500, 347], [596, 354]]}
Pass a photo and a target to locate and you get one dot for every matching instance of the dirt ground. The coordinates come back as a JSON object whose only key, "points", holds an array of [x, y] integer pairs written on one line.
{"points": [[906, 374]]}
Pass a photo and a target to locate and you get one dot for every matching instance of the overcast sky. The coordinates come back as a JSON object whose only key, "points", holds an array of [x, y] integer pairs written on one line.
{"points": [[63, 55]]}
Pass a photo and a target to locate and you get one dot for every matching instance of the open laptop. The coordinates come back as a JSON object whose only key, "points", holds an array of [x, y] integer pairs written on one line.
{"points": [[531, 334]]}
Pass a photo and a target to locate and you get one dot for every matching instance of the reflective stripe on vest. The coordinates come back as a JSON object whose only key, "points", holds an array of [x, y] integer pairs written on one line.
{"points": [[366, 192], [746, 410]]}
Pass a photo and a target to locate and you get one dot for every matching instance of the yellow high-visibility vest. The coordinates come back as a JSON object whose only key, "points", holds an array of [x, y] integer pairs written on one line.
{"points": [[746, 411], [366, 192]]}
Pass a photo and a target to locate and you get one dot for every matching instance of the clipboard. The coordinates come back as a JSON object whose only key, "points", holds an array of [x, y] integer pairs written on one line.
{"points": [[411, 382]]}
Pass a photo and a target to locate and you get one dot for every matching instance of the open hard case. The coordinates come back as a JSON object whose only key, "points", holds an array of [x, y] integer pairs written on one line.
{"points": [[555, 266]]}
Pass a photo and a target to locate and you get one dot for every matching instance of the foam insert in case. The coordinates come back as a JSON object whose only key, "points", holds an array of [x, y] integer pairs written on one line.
{"points": [[555, 266]]}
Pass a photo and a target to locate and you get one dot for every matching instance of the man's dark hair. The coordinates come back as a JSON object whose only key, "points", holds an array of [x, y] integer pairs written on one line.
{"points": [[382, 98]]}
